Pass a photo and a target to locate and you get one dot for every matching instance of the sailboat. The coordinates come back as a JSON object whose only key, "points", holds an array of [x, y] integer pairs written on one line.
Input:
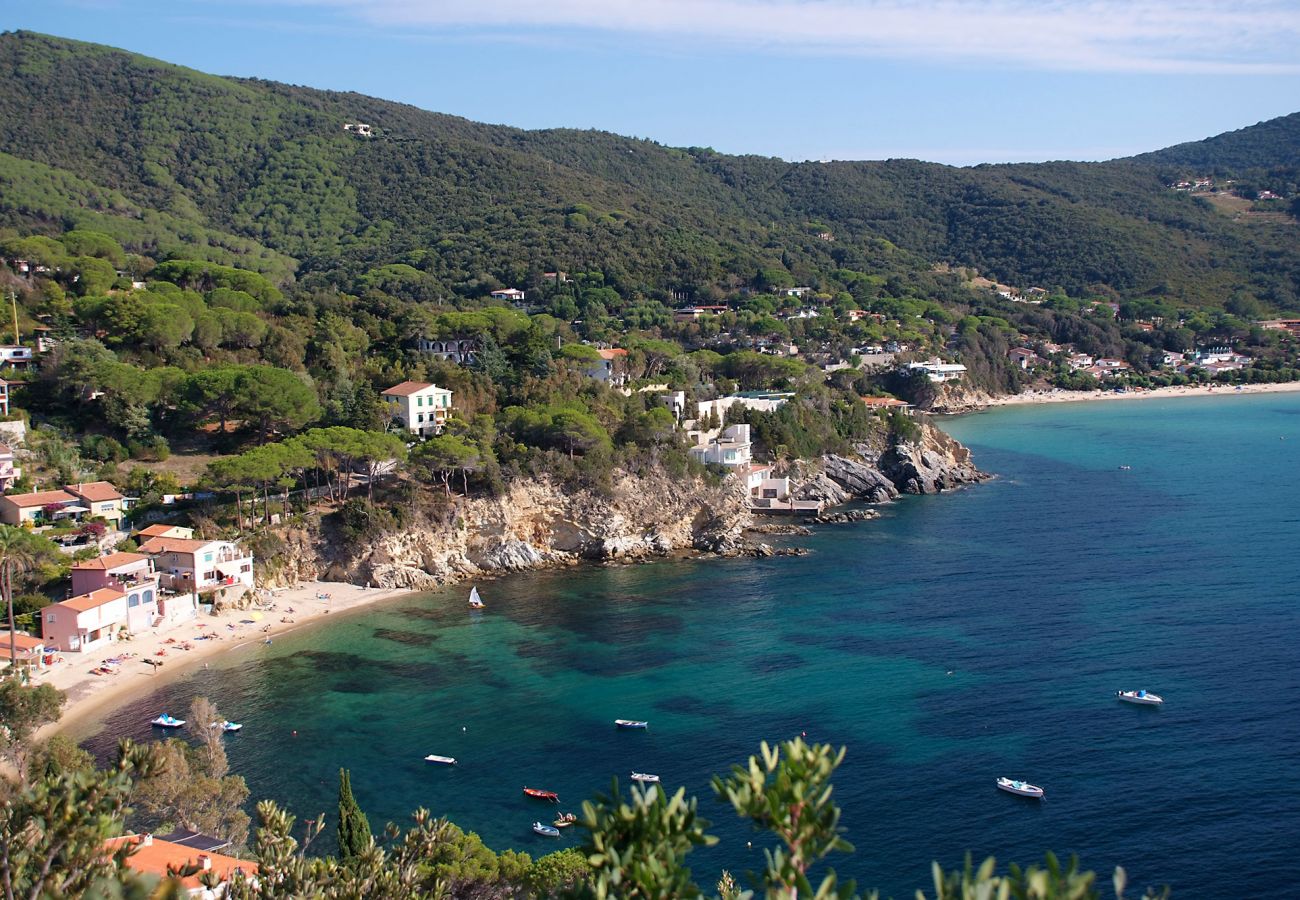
{"points": [[475, 601]]}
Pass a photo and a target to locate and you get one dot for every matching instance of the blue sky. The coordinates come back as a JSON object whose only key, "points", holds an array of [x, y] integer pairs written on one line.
{"points": [[952, 81]]}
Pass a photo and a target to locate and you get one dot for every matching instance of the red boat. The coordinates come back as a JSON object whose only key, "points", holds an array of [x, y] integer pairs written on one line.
{"points": [[542, 795]]}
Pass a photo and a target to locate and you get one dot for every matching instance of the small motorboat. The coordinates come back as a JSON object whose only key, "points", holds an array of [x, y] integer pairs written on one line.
{"points": [[564, 820], [631, 723], [539, 794], [475, 601], [1141, 698], [166, 721], [445, 760], [546, 830], [1020, 788], [644, 778], [227, 726]]}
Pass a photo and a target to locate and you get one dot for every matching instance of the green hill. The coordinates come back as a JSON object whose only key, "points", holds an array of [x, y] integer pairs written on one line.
{"points": [[263, 175]]}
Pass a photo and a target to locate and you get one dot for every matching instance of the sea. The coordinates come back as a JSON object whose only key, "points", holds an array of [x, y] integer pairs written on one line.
{"points": [[957, 638]]}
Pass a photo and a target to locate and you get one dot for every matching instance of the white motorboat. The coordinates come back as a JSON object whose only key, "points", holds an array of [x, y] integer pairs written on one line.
{"points": [[1020, 788], [445, 760], [166, 721], [227, 725], [1141, 698], [644, 778], [631, 723], [546, 830]]}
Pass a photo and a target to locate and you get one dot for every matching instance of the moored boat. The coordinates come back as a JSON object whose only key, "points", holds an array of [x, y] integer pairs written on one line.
{"points": [[445, 760], [540, 794], [644, 778], [631, 723], [475, 601], [166, 721], [546, 830], [1141, 698], [564, 820], [1020, 788], [227, 725]]}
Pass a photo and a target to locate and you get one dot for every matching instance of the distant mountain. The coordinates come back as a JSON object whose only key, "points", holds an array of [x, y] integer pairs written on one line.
{"points": [[264, 175], [1271, 144]]}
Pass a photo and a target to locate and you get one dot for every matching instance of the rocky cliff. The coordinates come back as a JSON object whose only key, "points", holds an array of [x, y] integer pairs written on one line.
{"points": [[542, 523]]}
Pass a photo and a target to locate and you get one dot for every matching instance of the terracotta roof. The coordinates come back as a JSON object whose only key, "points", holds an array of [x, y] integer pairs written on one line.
{"points": [[95, 491], [40, 498], [24, 642], [111, 561], [93, 600], [158, 530], [612, 353], [158, 855], [883, 401], [172, 545], [407, 388]]}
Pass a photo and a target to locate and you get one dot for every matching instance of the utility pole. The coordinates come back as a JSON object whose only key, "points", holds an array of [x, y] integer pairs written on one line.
{"points": [[13, 303]]}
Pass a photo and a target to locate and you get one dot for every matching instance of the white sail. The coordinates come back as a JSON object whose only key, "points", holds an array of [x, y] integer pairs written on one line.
{"points": [[474, 599]]}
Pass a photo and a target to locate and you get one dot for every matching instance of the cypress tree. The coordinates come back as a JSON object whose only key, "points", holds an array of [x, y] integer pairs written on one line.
{"points": [[354, 828]]}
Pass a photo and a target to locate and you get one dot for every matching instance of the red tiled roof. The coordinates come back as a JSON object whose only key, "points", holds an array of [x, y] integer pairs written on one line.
{"points": [[95, 491], [111, 561], [407, 388], [155, 858], [25, 643], [93, 600], [172, 545], [157, 530], [40, 498], [612, 353]]}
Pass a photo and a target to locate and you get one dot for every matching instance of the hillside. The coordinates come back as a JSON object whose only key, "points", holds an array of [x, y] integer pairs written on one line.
{"points": [[264, 176]]}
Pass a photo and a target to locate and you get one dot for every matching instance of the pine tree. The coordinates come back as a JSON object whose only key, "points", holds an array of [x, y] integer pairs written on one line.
{"points": [[354, 828]]}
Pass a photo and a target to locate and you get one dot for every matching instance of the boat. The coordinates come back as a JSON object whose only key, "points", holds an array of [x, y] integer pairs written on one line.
{"points": [[1020, 788], [1141, 698], [631, 723], [166, 721], [475, 601], [546, 830], [539, 794], [564, 820], [227, 725], [445, 760], [644, 778]]}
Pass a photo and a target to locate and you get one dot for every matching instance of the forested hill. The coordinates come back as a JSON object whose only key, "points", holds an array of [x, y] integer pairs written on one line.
{"points": [[1275, 143], [264, 176]]}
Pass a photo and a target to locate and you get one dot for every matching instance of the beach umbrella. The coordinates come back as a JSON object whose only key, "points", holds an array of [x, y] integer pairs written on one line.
{"points": [[256, 617]]}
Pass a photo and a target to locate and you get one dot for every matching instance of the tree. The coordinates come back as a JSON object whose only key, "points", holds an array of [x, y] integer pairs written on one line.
{"points": [[354, 829], [23, 710], [443, 454], [274, 399], [20, 551]]}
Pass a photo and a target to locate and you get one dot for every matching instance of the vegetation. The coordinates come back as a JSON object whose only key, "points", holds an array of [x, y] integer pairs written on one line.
{"points": [[354, 828]]}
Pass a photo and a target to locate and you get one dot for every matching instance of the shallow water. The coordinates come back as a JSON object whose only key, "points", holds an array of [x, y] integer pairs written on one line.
{"points": [[957, 638]]}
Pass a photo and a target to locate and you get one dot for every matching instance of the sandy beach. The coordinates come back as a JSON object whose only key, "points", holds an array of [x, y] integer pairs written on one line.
{"points": [[186, 645], [1061, 396]]}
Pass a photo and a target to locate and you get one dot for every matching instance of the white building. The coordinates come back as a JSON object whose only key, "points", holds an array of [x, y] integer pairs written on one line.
{"points": [[16, 356], [611, 368], [732, 448], [772, 495], [419, 407], [510, 295], [938, 371], [462, 351], [199, 566]]}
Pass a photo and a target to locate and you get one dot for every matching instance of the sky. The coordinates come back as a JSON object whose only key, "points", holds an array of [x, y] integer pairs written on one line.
{"points": [[951, 81]]}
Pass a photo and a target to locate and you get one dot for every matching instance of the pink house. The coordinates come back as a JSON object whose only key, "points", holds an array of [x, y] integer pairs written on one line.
{"points": [[123, 571], [87, 622]]}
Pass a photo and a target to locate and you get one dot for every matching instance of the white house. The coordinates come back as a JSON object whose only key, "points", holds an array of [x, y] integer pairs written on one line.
{"points": [[611, 368], [419, 407], [510, 295], [732, 448], [199, 566], [16, 356], [938, 371], [772, 495], [359, 128], [460, 350]]}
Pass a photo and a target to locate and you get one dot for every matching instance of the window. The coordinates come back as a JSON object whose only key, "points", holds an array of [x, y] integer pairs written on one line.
{"points": [[148, 596], [207, 557], [209, 576], [49, 618], [133, 601], [421, 417], [419, 401]]}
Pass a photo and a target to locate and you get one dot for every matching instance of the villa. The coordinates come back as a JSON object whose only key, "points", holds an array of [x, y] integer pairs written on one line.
{"points": [[32, 652], [512, 295], [732, 448], [166, 531], [90, 621], [938, 372], [419, 407], [460, 350], [611, 368], [187, 565], [154, 856], [122, 571], [39, 508], [101, 499]]}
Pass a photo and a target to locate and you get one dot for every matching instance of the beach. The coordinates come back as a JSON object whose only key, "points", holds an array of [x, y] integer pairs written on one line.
{"points": [[1058, 395], [184, 646]]}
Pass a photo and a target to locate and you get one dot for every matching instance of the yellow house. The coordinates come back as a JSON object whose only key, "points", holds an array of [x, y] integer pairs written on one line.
{"points": [[101, 498]]}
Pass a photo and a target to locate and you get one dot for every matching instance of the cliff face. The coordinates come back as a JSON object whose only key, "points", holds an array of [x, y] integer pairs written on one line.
{"points": [[543, 524], [535, 524]]}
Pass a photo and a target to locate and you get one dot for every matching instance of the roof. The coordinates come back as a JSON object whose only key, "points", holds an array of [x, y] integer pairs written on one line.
{"points": [[173, 545], [95, 491], [407, 388], [158, 530], [93, 600], [155, 857], [4, 448], [194, 839], [884, 401], [111, 561], [612, 353], [39, 498], [24, 642]]}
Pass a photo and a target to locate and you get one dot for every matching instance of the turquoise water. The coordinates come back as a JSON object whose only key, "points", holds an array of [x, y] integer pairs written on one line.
{"points": [[1042, 593]]}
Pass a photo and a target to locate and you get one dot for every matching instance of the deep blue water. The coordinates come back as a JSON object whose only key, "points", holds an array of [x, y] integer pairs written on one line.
{"points": [[1043, 592]]}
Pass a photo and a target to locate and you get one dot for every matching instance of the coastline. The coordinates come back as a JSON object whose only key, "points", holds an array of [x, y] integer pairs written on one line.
{"points": [[1059, 395], [92, 697]]}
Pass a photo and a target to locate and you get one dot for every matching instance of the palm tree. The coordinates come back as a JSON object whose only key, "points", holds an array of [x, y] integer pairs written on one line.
{"points": [[19, 552]]}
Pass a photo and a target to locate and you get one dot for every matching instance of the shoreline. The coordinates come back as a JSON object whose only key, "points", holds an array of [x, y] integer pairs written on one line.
{"points": [[92, 697], [1059, 395]]}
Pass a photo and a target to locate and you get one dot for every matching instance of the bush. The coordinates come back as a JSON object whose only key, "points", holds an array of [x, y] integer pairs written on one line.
{"points": [[358, 518], [102, 448]]}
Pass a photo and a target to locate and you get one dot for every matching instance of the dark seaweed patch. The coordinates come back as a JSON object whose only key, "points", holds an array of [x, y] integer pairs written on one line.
{"points": [[410, 638]]}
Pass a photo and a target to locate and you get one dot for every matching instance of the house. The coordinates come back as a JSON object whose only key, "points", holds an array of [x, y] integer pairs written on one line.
{"points": [[4, 397], [154, 856], [30, 652], [102, 499], [1079, 361], [772, 495], [166, 531], [510, 295], [937, 371], [557, 277], [611, 368], [1170, 358], [39, 508], [360, 129], [419, 407], [122, 571], [795, 292], [16, 356], [1289, 325], [90, 621], [886, 403], [676, 403], [692, 313], [9, 473], [460, 350], [1024, 358], [186, 565], [732, 448]]}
